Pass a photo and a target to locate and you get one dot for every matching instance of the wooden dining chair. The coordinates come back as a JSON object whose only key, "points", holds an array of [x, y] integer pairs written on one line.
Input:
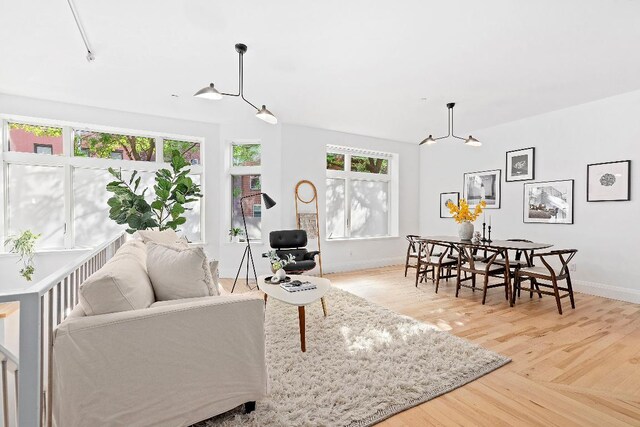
{"points": [[555, 269], [522, 258], [412, 253], [434, 259], [487, 267]]}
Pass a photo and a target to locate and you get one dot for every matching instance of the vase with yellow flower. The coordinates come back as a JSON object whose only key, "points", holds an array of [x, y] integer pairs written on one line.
{"points": [[465, 216]]}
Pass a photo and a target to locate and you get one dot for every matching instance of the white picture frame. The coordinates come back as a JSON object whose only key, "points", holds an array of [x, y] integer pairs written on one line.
{"points": [[483, 185]]}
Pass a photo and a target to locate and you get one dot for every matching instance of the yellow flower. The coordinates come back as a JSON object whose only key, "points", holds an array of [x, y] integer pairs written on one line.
{"points": [[463, 213]]}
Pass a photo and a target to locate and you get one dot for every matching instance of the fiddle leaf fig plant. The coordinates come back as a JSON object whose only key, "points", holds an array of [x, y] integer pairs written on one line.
{"points": [[25, 246], [174, 189]]}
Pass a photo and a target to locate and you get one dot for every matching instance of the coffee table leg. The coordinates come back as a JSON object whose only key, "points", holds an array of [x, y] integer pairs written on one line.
{"points": [[303, 345], [324, 306], [265, 299]]}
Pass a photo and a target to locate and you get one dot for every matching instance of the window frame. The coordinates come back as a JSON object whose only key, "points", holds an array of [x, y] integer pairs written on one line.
{"points": [[391, 177], [232, 171], [69, 162]]}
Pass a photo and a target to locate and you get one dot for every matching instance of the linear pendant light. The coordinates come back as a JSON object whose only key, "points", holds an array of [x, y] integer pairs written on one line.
{"points": [[211, 93], [471, 141]]}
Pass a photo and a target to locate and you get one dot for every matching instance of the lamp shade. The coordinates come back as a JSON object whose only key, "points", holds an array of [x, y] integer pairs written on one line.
{"points": [[268, 201], [471, 141], [266, 115], [208, 92], [428, 140]]}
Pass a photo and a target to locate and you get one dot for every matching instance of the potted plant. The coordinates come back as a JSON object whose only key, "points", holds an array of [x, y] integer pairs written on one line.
{"points": [[174, 190], [235, 233], [278, 264], [465, 217], [24, 245]]}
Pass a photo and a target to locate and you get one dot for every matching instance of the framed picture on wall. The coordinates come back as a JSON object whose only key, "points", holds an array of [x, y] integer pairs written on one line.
{"points": [[480, 186], [609, 182], [445, 198], [549, 202], [520, 165]]}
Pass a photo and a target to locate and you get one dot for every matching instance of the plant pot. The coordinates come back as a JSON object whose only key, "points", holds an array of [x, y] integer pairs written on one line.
{"points": [[235, 239], [281, 274], [465, 230]]}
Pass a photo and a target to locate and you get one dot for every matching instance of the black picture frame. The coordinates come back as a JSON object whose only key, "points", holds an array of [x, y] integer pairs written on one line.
{"points": [[526, 205], [498, 188], [626, 198], [446, 213], [531, 153]]}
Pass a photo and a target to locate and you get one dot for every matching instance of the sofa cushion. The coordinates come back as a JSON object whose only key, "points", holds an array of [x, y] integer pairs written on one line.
{"points": [[121, 284], [177, 272]]}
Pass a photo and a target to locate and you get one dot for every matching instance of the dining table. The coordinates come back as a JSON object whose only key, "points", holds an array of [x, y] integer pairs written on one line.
{"points": [[526, 247]]}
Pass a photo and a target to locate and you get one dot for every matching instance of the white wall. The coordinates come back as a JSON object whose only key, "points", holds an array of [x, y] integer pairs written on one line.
{"points": [[289, 154], [605, 233], [304, 157], [45, 263], [292, 153]]}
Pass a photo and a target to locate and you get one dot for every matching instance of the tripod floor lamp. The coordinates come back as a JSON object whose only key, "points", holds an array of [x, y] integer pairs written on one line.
{"points": [[248, 256]]}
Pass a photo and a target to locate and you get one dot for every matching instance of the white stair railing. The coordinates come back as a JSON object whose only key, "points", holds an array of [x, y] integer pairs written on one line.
{"points": [[42, 307]]}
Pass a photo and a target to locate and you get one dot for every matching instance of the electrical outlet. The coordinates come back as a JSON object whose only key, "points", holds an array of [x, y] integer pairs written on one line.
{"points": [[572, 266]]}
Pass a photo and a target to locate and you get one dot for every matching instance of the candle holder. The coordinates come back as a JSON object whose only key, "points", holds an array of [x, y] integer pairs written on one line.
{"points": [[489, 239], [484, 226]]}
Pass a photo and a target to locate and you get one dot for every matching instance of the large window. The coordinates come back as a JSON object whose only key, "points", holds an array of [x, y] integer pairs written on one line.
{"points": [[189, 149], [105, 145], [27, 138], [246, 185], [358, 191], [55, 176]]}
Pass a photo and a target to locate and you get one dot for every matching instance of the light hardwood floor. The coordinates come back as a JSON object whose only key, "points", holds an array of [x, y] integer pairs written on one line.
{"points": [[577, 369]]}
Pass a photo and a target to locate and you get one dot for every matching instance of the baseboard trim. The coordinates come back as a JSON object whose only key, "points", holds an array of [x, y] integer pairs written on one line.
{"points": [[331, 268], [362, 265], [607, 291]]}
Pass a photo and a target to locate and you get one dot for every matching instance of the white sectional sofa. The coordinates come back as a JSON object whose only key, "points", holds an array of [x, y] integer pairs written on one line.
{"points": [[171, 363]]}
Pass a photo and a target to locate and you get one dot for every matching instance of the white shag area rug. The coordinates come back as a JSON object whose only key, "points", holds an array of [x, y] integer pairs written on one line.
{"points": [[363, 364]]}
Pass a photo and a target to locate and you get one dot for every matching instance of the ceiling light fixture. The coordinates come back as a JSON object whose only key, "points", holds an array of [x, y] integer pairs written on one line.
{"points": [[90, 55], [471, 141], [211, 93]]}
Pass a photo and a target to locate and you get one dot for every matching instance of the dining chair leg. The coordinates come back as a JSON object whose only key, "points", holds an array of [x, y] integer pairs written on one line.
{"points": [[484, 291], [516, 287], [556, 293], [473, 282], [458, 281], [533, 284], [573, 304]]}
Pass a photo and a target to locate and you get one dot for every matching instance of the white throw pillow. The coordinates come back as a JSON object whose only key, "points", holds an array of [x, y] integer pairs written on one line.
{"points": [[122, 284], [177, 272], [167, 237]]}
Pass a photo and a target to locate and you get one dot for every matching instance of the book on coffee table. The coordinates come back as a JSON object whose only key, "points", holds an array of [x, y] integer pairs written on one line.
{"points": [[297, 286]]}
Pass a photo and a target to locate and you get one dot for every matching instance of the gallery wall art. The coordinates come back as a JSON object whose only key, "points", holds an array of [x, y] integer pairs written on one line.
{"points": [[445, 198], [520, 165], [549, 202], [483, 185], [609, 181]]}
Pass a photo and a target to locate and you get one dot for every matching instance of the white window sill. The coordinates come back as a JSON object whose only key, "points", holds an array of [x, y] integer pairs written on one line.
{"points": [[47, 251], [356, 239]]}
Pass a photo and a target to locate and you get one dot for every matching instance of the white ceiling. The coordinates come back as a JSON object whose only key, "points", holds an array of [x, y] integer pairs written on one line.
{"points": [[354, 66]]}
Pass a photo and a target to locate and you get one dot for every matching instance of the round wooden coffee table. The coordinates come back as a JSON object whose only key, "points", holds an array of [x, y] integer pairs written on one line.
{"points": [[299, 299]]}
